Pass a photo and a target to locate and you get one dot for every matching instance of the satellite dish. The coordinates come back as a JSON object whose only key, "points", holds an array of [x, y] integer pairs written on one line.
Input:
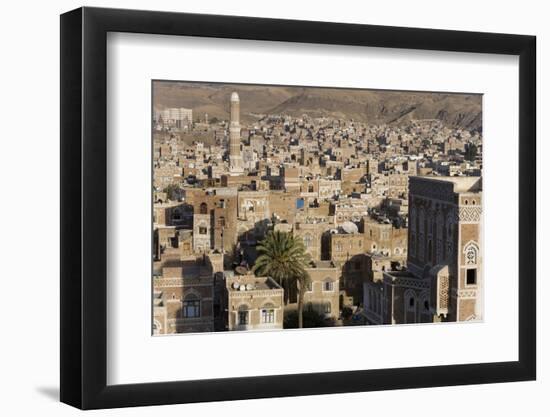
{"points": [[236, 285], [241, 270], [242, 287], [249, 287], [350, 227]]}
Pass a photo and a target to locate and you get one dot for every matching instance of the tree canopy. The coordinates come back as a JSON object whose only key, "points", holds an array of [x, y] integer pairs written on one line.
{"points": [[283, 257]]}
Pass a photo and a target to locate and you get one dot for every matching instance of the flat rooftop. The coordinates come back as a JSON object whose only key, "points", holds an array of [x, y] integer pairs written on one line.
{"points": [[322, 264], [400, 274], [460, 184], [250, 283]]}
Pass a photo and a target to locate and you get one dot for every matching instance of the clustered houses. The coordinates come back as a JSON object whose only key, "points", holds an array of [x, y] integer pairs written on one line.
{"points": [[389, 215]]}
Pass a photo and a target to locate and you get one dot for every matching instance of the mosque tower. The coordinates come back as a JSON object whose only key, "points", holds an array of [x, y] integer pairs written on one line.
{"points": [[235, 155]]}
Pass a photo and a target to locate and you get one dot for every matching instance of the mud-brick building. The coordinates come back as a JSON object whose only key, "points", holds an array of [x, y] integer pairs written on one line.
{"points": [[253, 303], [183, 294], [443, 280], [323, 291]]}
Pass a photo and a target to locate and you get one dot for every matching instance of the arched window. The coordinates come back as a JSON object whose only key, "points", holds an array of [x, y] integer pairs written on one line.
{"points": [[156, 327], [327, 307], [203, 229], [438, 250], [203, 208], [268, 313], [310, 188], [449, 249], [421, 225], [413, 219], [450, 226], [410, 306], [379, 302], [424, 310], [176, 214], [191, 306], [243, 315], [439, 224], [471, 253], [328, 285]]}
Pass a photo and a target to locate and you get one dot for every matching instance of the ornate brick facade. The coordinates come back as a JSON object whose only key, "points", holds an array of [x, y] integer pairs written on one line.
{"points": [[444, 277]]}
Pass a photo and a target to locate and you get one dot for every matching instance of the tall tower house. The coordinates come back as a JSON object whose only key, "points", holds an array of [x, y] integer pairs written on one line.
{"points": [[445, 238]]}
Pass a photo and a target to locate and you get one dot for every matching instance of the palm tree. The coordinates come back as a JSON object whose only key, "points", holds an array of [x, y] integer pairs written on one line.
{"points": [[283, 257]]}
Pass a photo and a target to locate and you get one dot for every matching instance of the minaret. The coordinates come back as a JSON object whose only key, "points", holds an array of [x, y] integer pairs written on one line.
{"points": [[235, 156]]}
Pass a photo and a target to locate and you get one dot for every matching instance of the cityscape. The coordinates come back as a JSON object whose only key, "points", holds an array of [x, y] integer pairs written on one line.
{"points": [[280, 207]]}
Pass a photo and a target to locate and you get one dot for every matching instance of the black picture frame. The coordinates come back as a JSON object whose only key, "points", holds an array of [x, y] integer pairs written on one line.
{"points": [[84, 207]]}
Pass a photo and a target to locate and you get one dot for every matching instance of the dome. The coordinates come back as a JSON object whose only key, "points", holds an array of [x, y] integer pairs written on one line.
{"points": [[234, 96]]}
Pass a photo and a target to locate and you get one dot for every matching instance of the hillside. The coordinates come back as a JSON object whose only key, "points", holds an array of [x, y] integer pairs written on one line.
{"points": [[372, 106]]}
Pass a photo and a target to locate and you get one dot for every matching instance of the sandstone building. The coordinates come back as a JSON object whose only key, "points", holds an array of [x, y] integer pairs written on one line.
{"points": [[443, 278], [253, 303]]}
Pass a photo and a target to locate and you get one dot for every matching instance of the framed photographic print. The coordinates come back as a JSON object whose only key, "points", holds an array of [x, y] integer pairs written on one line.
{"points": [[257, 208]]}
